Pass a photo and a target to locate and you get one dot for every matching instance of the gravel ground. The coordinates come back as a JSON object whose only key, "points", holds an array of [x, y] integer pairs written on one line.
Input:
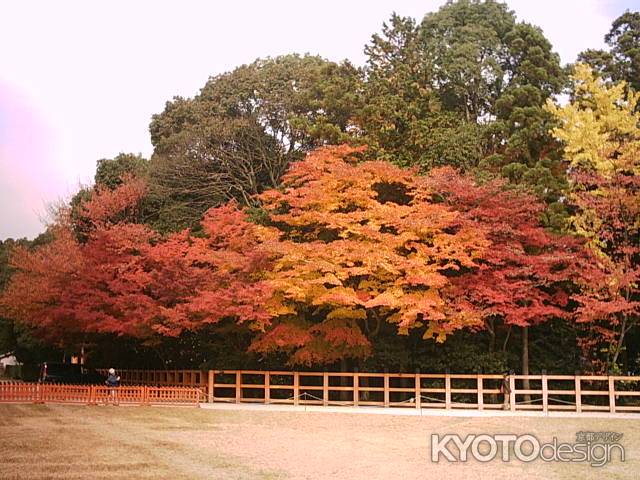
{"points": [[61, 441]]}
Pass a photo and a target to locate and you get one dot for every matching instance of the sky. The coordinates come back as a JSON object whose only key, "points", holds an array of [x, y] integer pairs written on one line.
{"points": [[79, 80]]}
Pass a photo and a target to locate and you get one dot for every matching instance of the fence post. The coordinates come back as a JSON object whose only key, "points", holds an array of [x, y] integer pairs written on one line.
{"points": [[356, 387], [238, 385], [418, 385], [447, 390], [480, 387], [612, 395], [545, 392], [210, 379], [512, 392], [296, 388], [578, 389], [267, 387], [325, 389], [38, 397], [386, 389]]}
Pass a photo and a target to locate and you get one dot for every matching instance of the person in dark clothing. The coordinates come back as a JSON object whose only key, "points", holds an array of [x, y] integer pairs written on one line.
{"points": [[112, 380]]}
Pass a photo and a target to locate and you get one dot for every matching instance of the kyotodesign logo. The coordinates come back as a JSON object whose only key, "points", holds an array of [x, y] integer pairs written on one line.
{"points": [[595, 448]]}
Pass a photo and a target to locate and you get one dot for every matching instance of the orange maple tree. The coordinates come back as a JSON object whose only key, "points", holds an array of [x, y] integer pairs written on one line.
{"points": [[357, 244]]}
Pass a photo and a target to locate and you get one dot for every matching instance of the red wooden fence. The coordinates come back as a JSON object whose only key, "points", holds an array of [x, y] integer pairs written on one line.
{"points": [[98, 395]]}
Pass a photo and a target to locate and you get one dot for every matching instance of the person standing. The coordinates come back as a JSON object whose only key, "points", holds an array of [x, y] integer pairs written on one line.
{"points": [[113, 381], [505, 389]]}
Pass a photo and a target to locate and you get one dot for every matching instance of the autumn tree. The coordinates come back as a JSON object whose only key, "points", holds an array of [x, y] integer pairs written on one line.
{"points": [[220, 274], [39, 279], [110, 174], [526, 276], [345, 253], [600, 130], [71, 286], [127, 280], [361, 245], [16, 337]]}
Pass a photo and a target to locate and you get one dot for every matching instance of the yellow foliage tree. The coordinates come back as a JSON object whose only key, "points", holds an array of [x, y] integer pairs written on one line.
{"points": [[600, 129]]}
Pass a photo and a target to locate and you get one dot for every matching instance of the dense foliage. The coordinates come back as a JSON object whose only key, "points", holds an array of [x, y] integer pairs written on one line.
{"points": [[601, 133]]}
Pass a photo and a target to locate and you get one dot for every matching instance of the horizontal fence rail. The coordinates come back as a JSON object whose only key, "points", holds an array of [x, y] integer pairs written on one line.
{"points": [[193, 378], [576, 393], [98, 394]]}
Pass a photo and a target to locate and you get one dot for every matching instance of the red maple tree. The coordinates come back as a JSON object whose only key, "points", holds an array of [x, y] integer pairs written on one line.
{"points": [[128, 280], [527, 275]]}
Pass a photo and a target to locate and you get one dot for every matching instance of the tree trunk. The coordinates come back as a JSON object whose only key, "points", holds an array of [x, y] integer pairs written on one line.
{"points": [[363, 381], [490, 324], [525, 361], [506, 340], [492, 335], [344, 368], [619, 344]]}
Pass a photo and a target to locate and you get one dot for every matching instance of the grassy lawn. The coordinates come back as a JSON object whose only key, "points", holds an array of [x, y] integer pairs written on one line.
{"points": [[73, 442]]}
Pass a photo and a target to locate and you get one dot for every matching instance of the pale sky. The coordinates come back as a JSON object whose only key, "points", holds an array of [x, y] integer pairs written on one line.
{"points": [[79, 80]]}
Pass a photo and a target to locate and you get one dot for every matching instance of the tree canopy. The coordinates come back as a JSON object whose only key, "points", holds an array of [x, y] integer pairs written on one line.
{"points": [[622, 61], [601, 133]]}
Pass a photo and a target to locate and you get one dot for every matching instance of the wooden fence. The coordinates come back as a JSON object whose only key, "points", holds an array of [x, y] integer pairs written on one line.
{"points": [[13, 392], [577, 393]]}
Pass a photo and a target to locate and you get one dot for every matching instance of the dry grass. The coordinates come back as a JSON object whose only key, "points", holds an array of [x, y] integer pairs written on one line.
{"points": [[59, 441]]}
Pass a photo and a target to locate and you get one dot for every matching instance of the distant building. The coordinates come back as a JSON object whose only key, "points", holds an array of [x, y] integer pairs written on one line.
{"points": [[7, 359]]}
